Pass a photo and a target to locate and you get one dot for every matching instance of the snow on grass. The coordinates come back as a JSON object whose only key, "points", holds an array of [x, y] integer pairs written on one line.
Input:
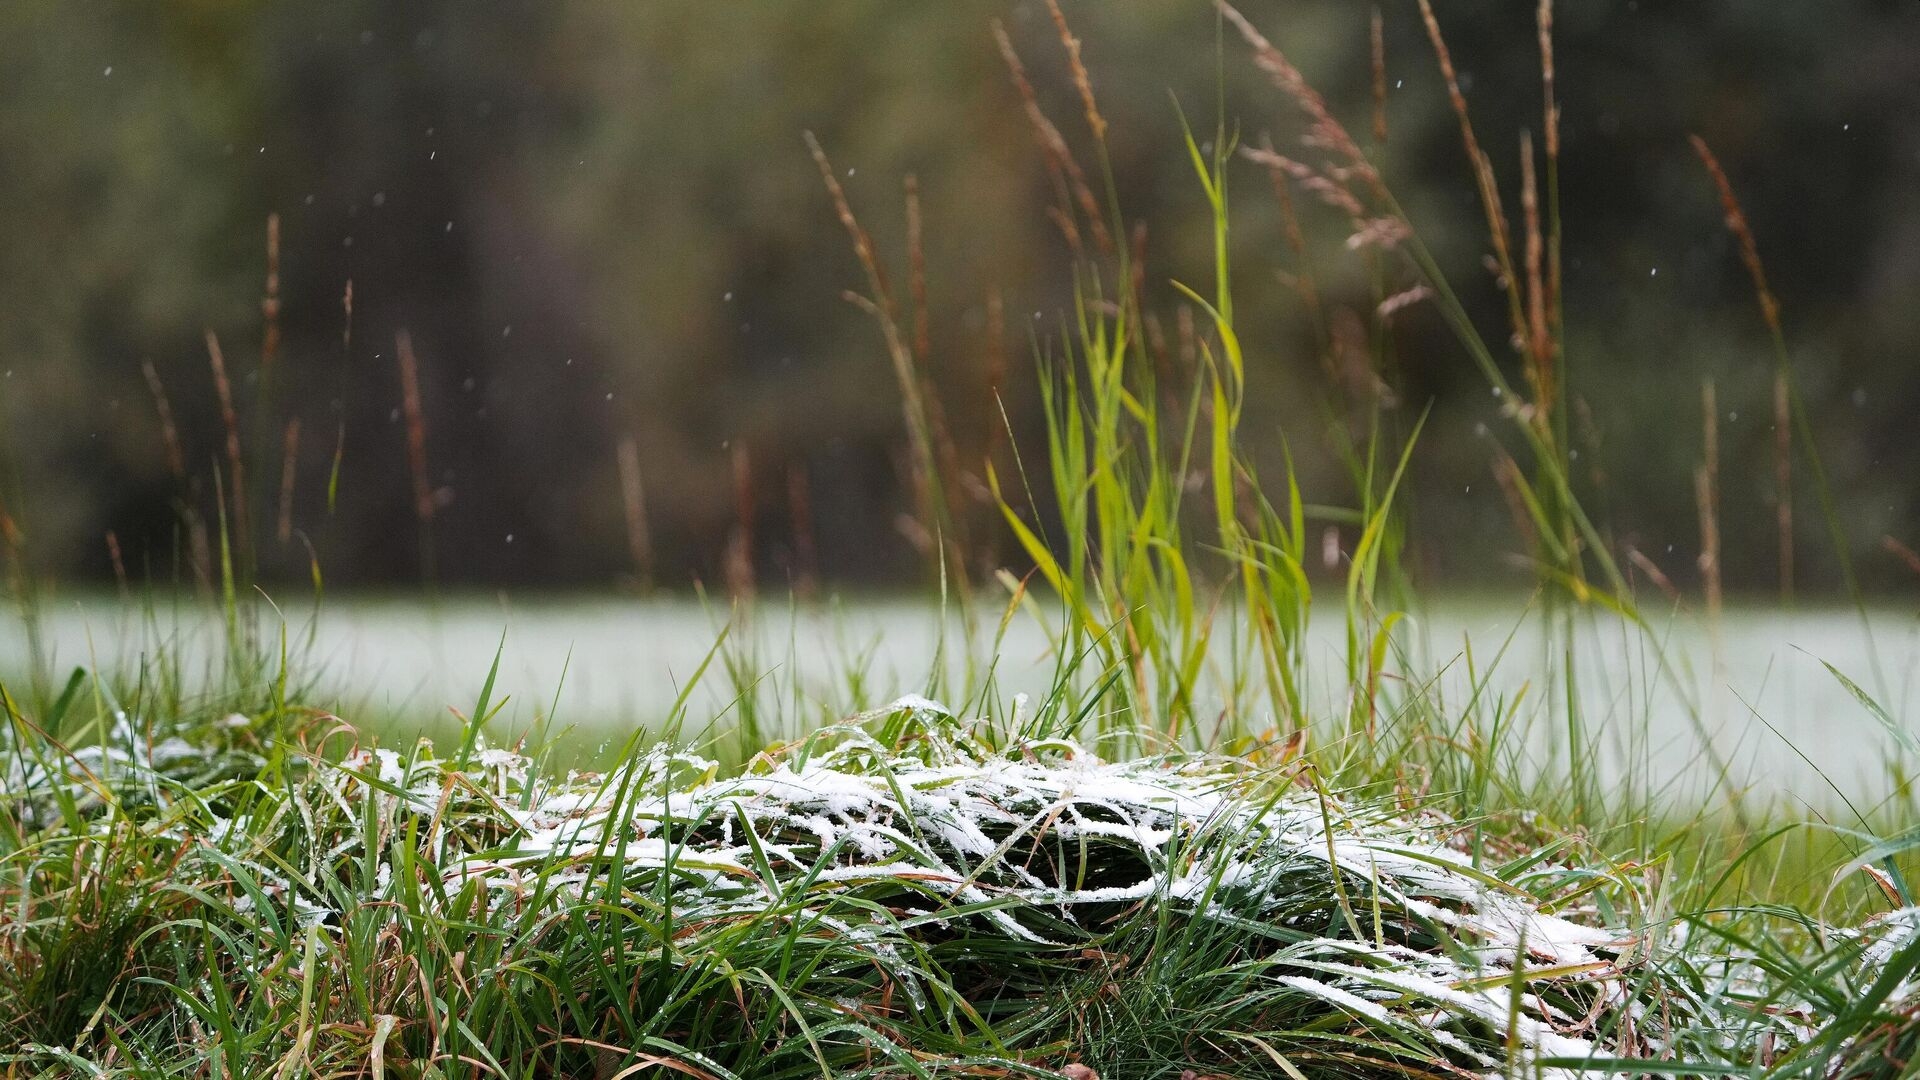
{"points": [[1359, 917]]}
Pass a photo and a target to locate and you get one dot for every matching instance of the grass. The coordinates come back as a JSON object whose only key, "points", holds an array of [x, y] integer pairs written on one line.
{"points": [[1195, 854]]}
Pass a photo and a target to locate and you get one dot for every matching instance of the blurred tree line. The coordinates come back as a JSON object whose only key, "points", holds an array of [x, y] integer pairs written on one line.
{"points": [[597, 224]]}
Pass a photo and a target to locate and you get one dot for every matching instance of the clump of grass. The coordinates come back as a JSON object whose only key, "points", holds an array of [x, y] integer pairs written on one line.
{"points": [[902, 894]]}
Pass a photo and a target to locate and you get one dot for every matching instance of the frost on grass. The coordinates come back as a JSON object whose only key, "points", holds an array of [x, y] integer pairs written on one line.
{"points": [[936, 865]]}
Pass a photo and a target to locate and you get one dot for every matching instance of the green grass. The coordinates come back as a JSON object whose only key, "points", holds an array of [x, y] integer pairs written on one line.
{"points": [[246, 887], [1195, 852]]}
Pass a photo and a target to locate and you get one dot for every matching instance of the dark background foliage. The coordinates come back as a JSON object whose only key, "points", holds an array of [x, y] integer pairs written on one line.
{"points": [[597, 221]]}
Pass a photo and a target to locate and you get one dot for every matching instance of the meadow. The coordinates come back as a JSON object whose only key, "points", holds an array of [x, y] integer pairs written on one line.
{"points": [[1199, 782]]}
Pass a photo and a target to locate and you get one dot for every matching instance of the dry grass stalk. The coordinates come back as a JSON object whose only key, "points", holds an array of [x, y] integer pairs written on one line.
{"points": [[1706, 486], [917, 273], [230, 420], [1550, 124], [1539, 340], [169, 431], [949, 457], [1902, 552], [1189, 336], [739, 565], [346, 322], [996, 377], [880, 304], [339, 457], [1283, 193], [806, 557], [1742, 232], [1377, 37], [934, 458], [200, 549], [1551, 108], [119, 564], [1353, 360], [633, 499], [416, 426], [1497, 228], [15, 544], [1507, 473], [1737, 224], [1081, 81], [1137, 276], [1402, 300], [863, 248], [1654, 574], [1069, 178], [289, 462], [1783, 479], [1303, 279], [1324, 132], [270, 301], [1327, 189]]}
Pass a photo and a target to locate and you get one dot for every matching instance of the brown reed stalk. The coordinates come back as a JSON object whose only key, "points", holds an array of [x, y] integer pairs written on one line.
{"points": [[1082, 82], [289, 471], [917, 273], [1737, 224], [1377, 37], [1550, 126], [869, 259], [270, 301], [416, 422], [333, 472], [1706, 485], [119, 564], [14, 542], [739, 566], [169, 431], [1360, 386], [1189, 337], [1324, 131], [1305, 279], [1902, 552], [346, 322], [1783, 479], [1497, 228], [949, 456], [200, 548], [1069, 178], [996, 376], [1137, 275], [1551, 109], [230, 420], [913, 526], [996, 344], [1539, 339], [633, 500], [1507, 473], [932, 451], [1654, 574], [1394, 304], [806, 557], [1328, 189]]}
